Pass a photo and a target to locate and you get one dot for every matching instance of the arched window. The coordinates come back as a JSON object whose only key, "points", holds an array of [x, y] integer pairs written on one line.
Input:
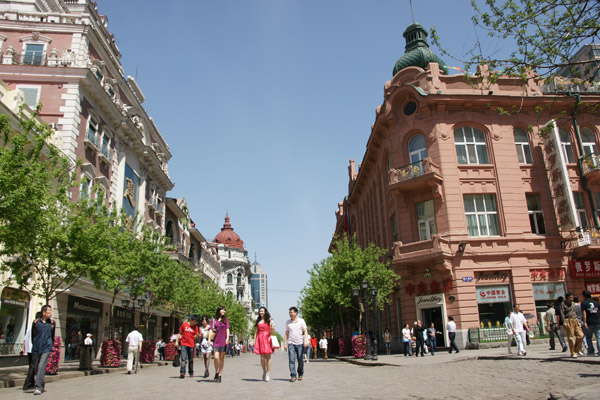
{"points": [[417, 149], [229, 278], [565, 143], [239, 279], [471, 147], [522, 144], [192, 254], [588, 141], [169, 231]]}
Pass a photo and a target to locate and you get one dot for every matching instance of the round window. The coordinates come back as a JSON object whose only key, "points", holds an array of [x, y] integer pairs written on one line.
{"points": [[410, 108]]}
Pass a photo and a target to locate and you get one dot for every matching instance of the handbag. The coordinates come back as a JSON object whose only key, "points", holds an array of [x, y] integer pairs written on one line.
{"points": [[212, 333], [177, 359], [275, 342]]}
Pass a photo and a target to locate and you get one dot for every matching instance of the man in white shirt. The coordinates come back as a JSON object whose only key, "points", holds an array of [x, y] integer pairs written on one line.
{"points": [[295, 343], [323, 346], [451, 328], [134, 339], [517, 319]]}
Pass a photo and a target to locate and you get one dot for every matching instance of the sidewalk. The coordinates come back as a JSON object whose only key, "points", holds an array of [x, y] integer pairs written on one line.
{"points": [[534, 352], [15, 376]]}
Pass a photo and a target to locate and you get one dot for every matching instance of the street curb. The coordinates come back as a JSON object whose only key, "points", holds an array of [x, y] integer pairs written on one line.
{"points": [[18, 382], [364, 363]]}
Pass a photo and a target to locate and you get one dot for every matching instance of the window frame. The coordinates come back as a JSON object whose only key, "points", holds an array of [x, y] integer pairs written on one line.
{"points": [[523, 147], [535, 215], [566, 148], [592, 145], [426, 221], [482, 213], [580, 209], [38, 89], [475, 144], [418, 152]]}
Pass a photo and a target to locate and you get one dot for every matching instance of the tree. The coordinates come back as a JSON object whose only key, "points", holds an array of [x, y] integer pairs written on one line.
{"points": [[40, 225], [328, 293], [545, 34]]}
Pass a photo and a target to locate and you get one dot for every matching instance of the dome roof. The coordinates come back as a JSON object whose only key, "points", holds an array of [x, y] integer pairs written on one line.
{"points": [[418, 53], [228, 237]]}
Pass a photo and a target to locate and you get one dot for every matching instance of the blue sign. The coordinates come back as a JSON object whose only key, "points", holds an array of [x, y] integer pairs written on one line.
{"points": [[467, 279]]}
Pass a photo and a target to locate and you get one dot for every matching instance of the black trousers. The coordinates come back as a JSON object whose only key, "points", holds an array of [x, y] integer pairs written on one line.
{"points": [[29, 381], [452, 336]]}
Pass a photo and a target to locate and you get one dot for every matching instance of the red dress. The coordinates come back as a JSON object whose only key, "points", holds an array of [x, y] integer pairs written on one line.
{"points": [[263, 339]]}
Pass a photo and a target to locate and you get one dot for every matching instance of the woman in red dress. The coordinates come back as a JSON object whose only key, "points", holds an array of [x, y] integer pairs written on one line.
{"points": [[262, 341]]}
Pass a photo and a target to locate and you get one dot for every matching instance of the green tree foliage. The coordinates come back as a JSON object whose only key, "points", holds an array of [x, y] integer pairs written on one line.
{"points": [[544, 33], [327, 297], [40, 225]]}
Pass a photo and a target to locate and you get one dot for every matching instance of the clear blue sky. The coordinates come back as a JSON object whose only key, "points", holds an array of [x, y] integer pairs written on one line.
{"points": [[263, 102]]}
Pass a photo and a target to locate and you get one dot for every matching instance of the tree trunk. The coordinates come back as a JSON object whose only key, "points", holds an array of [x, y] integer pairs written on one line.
{"points": [[111, 319]]}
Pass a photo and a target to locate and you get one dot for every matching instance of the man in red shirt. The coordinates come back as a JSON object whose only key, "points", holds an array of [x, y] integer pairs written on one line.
{"points": [[186, 340]]}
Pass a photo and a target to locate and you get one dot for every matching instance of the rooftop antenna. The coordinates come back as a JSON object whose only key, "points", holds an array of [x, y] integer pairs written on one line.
{"points": [[136, 71], [411, 11], [254, 256]]}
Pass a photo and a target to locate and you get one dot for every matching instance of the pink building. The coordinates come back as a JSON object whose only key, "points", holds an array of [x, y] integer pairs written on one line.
{"points": [[474, 204]]}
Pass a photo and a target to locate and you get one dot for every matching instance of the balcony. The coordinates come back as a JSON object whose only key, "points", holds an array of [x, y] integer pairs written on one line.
{"points": [[105, 154], [585, 243], [417, 177], [591, 167], [91, 141]]}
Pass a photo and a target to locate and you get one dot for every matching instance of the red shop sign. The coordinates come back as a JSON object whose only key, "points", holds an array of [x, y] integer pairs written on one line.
{"points": [[585, 268], [594, 288]]}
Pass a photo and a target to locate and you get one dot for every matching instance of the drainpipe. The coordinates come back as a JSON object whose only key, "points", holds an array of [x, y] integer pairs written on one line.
{"points": [[579, 160]]}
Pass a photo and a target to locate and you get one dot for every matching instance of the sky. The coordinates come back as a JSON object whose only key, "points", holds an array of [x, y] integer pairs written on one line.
{"points": [[263, 103]]}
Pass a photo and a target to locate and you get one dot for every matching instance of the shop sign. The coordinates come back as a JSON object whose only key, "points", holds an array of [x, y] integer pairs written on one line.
{"points": [[15, 297], [122, 314], [493, 294], [548, 291], [467, 279], [77, 305], [447, 285], [545, 274], [584, 268], [492, 276], [594, 288], [432, 299]]}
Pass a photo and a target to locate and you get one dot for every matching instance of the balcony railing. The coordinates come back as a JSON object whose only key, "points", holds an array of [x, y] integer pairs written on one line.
{"points": [[590, 163], [585, 237], [417, 176], [33, 58], [105, 154], [407, 172], [91, 140]]}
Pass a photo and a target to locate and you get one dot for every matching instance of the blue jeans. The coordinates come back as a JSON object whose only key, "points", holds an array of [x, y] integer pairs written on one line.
{"points": [[589, 332], [295, 353], [187, 354], [432, 344]]}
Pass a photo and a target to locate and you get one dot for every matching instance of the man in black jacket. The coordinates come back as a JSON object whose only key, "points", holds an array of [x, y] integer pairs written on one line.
{"points": [[418, 334], [42, 339]]}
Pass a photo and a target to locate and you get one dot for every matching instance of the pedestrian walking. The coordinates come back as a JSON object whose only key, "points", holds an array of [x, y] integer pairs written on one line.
{"points": [[518, 323], [432, 338], [573, 330], [406, 341], [295, 343], [323, 346], [161, 348], [584, 347], [85, 356], [591, 321], [419, 339], [560, 320], [262, 341], [387, 339], [186, 342], [205, 346], [509, 330], [27, 347], [134, 341], [451, 329], [42, 340], [553, 329], [220, 327], [313, 346]]}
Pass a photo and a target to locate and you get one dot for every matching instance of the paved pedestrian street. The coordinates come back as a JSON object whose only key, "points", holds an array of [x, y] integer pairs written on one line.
{"points": [[456, 376]]}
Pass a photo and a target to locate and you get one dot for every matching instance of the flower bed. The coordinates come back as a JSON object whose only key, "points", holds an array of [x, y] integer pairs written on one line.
{"points": [[148, 349], [359, 346], [54, 358], [345, 346], [111, 353], [170, 351]]}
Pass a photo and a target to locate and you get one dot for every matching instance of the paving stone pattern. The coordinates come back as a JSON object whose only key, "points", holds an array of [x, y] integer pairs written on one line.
{"points": [[441, 377]]}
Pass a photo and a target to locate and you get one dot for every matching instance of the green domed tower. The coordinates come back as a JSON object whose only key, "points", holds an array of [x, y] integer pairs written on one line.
{"points": [[418, 53]]}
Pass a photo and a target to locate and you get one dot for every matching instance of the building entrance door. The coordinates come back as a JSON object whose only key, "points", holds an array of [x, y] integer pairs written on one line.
{"points": [[435, 315]]}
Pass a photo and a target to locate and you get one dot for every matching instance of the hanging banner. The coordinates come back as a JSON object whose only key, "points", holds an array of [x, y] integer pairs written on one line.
{"points": [[584, 268]]}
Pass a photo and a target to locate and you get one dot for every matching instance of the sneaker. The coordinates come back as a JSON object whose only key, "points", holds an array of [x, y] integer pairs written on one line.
{"points": [[191, 375], [37, 392], [264, 376], [299, 377], [181, 376], [293, 379], [128, 372], [267, 377], [574, 355], [524, 353], [564, 349]]}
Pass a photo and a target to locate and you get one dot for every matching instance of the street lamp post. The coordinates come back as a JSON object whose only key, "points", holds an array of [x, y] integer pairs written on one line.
{"points": [[140, 302], [368, 294], [376, 323]]}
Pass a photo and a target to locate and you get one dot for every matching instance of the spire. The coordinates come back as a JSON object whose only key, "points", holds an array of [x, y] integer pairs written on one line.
{"points": [[226, 225], [411, 12]]}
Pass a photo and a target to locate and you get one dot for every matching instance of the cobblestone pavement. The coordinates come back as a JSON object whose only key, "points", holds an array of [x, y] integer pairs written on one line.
{"points": [[466, 378]]}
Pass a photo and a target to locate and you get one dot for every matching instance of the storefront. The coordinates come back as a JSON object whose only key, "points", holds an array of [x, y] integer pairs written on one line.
{"points": [[432, 309], [14, 310], [150, 331], [83, 316], [122, 322], [544, 294], [589, 271], [493, 303]]}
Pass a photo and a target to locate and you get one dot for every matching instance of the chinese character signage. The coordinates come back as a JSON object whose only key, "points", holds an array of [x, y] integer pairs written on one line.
{"points": [[548, 290], [594, 288], [493, 294], [558, 177], [584, 268]]}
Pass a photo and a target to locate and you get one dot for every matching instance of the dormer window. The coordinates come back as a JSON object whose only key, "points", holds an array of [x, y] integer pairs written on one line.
{"points": [[34, 54]]}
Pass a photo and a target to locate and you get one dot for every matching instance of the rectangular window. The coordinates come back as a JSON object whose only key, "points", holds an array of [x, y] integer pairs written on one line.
{"points": [[471, 147], [92, 131], [426, 220], [394, 229], [522, 144], [536, 217], [31, 95], [482, 215], [34, 54], [580, 207]]}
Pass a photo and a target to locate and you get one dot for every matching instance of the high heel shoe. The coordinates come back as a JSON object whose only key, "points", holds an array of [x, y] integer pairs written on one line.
{"points": [[219, 379], [216, 379]]}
